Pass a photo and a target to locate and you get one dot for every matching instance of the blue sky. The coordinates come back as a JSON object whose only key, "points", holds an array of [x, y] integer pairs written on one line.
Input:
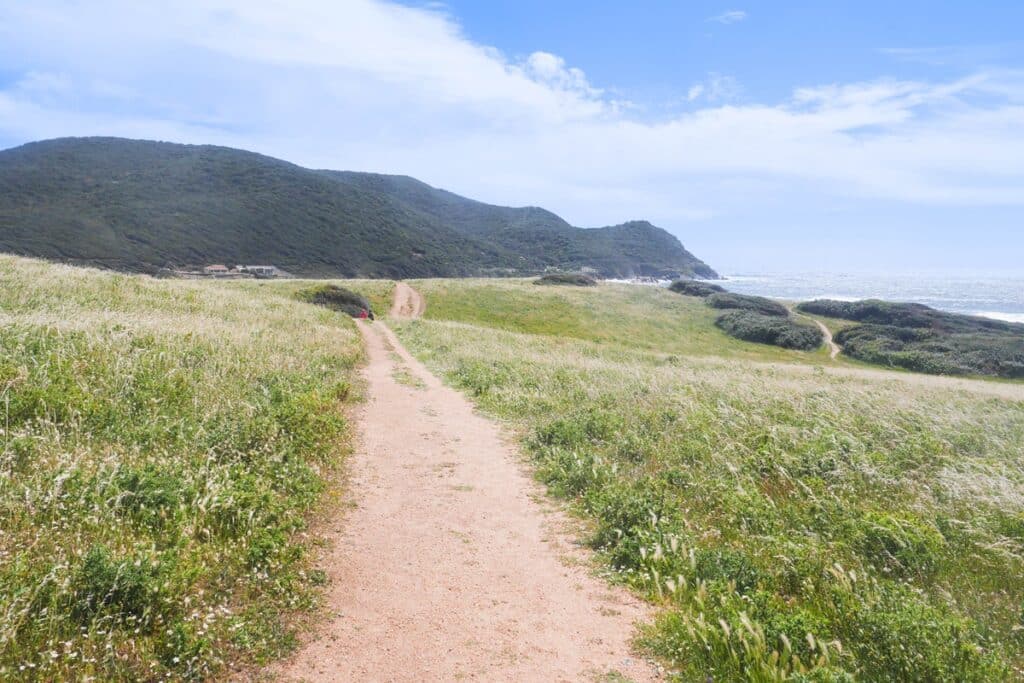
{"points": [[655, 50], [843, 136]]}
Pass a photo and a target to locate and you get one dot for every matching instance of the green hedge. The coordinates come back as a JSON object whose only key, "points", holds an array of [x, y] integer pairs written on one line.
{"points": [[695, 288], [743, 302], [572, 279], [765, 329], [337, 299]]}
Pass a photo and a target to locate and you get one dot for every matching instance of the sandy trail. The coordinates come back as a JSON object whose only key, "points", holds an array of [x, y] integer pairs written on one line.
{"points": [[408, 302], [833, 349], [450, 566]]}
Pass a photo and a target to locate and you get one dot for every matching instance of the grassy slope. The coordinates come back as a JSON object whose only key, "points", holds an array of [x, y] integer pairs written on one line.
{"points": [[609, 314], [162, 445], [757, 500]]}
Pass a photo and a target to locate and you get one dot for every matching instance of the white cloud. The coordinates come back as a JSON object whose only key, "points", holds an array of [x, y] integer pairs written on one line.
{"points": [[552, 71], [368, 85], [731, 17], [715, 88]]}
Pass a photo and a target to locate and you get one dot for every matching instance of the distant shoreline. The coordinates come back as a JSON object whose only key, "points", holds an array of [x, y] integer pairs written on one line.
{"points": [[999, 297]]}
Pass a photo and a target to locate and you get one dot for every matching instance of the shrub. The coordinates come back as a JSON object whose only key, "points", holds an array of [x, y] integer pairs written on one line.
{"points": [[897, 636], [871, 311], [571, 279], [695, 288], [896, 314], [626, 511], [764, 329], [121, 588], [184, 652], [757, 304], [727, 565], [149, 495], [337, 299], [936, 351], [590, 425]]}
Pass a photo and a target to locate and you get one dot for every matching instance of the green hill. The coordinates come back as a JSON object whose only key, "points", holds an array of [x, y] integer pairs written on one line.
{"points": [[141, 206]]}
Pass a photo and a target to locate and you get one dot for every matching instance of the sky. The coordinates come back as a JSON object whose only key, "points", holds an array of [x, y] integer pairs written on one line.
{"points": [[768, 136]]}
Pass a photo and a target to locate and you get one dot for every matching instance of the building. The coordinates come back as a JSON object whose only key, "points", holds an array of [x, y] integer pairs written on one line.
{"points": [[216, 269], [260, 271]]}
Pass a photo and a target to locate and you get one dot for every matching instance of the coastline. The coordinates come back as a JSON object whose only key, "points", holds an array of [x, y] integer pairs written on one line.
{"points": [[997, 297]]}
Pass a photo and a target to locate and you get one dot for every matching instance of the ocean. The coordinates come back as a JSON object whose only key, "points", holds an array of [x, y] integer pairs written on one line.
{"points": [[992, 296]]}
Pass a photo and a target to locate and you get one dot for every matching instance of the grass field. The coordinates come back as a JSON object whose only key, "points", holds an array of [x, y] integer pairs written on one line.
{"points": [[795, 519], [162, 446], [618, 315]]}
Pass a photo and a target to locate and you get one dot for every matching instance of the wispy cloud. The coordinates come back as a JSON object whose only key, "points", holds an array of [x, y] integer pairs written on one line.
{"points": [[731, 17], [716, 88], [957, 55]]}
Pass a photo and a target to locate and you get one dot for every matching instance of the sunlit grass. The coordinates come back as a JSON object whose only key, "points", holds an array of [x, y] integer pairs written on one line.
{"points": [[609, 314]]}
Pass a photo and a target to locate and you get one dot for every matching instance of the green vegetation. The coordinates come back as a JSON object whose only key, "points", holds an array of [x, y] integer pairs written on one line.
{"points": [[794, 521], [337, 299], [141, 206], [571, 279], [770, 329], [920, 338], [162, 445], [744, 302], [695, 288], [916, 316], [753, 318], [611, 313]]}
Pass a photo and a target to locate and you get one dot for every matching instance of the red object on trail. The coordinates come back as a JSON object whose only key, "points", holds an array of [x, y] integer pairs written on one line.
{"points": [[363, 313]]}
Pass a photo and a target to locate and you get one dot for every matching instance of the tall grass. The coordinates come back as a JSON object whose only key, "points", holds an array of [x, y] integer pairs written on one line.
{"points": [[161, 446], [794, 522]]}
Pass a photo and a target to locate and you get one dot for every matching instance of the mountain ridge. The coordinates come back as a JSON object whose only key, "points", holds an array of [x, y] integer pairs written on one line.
{"points": [[142, 205]]}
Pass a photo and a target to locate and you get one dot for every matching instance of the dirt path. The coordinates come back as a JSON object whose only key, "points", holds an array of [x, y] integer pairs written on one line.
{"points": [[408, 302], [833, 349], [450, 566]]}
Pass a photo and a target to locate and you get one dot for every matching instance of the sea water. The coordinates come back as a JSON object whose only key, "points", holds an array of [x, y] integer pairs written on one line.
{"points": [[993, 296]]}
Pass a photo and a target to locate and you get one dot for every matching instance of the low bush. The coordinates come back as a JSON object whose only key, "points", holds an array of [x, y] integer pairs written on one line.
{"points": [[123, 589], [936, 352], [897, 635], [150, 495], [765, 329], [907, 315], [743, 302], [337, 299], [695, 288], [571, 279]]}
